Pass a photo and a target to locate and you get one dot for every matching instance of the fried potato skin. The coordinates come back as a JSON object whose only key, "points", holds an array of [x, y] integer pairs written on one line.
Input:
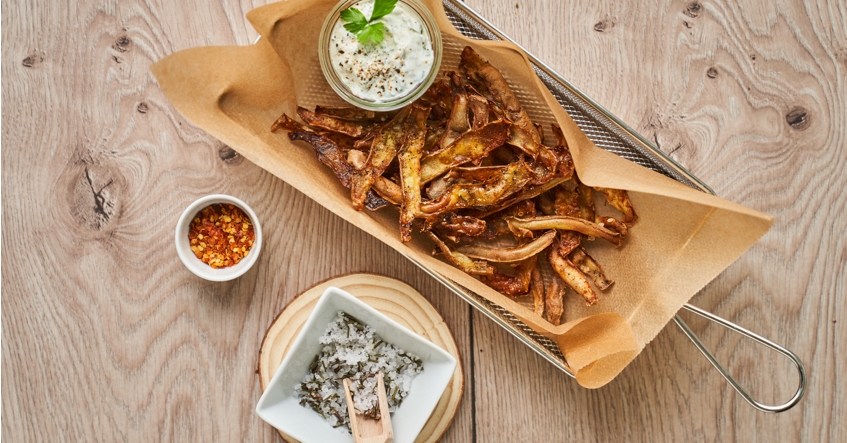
{"points": [[289, 124], [478, 106], [560, 136], [529, 192], [386, 188], [385, 145], [461, 261], [563, 223], [332, 156], [566, 203], [612, 224], [590, 268], [329, 154], [586, 201], [496, 224], [620, 200], [509, 255], [523, 141], [536, 188], [516, 285], [567, 242], [458, 123], [554, 301], [455, 225], [469, 147], [479, 70], [572, 276], [538, 292], [468, 195], [410, 169], [353, 129]]}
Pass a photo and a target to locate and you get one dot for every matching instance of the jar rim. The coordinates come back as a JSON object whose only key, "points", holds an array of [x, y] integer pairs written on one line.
{"points": [[345, 93]]}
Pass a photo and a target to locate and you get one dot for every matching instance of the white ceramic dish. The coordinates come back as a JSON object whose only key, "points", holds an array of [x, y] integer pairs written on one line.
{"points": [[195, 265], [281, 409]]}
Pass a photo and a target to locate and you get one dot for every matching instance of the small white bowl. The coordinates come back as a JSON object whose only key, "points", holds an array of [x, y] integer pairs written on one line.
{"points": [[281, 408], [197, 266]]}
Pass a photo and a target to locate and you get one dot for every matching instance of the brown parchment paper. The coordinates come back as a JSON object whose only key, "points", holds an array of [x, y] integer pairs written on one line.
{"points": [[683, 238]]}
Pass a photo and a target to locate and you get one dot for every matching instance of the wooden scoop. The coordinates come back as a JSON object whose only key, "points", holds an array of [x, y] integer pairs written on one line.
{"points": [[368, 430]]}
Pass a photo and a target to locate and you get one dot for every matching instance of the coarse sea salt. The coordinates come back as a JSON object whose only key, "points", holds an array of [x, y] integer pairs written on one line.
{"points": [[352, 350]]}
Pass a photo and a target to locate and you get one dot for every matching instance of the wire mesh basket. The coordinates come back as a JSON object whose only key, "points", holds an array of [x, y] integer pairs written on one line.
{"points": [[611, 134]]}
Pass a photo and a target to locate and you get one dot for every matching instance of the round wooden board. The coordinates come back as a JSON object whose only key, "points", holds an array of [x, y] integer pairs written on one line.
{"points": [[393, 298]]}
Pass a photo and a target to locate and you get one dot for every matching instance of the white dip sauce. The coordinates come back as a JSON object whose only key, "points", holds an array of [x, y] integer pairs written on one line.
{"points": [[387, 71]]}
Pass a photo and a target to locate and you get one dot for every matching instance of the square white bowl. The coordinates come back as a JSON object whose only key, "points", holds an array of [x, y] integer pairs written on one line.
{"points": [[281, 408]]}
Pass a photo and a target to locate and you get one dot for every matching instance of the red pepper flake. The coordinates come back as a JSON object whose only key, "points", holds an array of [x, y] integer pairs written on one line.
{"points": [[221, 235]]}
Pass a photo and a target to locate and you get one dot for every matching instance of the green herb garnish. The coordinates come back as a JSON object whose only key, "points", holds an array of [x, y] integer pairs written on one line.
{"points": [[368, 32]]}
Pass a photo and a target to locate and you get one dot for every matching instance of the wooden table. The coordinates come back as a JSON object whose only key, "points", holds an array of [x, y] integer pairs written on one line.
{"points": [[108, 337]]}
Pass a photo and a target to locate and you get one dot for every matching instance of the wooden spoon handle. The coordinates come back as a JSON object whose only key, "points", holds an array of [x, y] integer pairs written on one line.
{"points": [[351, 410], [385, 415], [364, 429]]}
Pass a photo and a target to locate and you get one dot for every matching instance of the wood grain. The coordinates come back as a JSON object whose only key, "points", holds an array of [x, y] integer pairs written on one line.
{"points": [[107, 337]]}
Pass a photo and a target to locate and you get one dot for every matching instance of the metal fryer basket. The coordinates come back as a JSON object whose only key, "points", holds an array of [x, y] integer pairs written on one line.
{"points": [[611, 134]]}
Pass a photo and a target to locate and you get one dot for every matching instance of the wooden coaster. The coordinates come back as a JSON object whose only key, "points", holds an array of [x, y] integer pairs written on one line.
{"points": [[393, 298]]}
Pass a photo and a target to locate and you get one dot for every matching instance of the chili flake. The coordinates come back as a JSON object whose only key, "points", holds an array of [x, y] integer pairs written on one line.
{"points": [[221, 235]]}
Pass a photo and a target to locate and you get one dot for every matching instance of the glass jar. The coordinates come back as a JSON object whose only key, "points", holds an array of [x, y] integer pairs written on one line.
{"points": [[414, 11]]}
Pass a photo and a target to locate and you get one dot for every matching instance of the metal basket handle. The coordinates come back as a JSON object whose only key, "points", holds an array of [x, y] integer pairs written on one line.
{"points": [[755, 337]]}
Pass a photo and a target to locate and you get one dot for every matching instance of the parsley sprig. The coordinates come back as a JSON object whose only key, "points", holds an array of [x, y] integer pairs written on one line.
{"points": [[368, 32]]}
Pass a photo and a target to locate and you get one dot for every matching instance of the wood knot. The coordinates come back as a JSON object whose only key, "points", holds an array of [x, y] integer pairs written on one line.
{"points": [[122, 44], [693, 9], [32, 60], [94, 200], [798, 118], [603, 25], [841, 55], [142, 108], [229, 156], [712, 73]]}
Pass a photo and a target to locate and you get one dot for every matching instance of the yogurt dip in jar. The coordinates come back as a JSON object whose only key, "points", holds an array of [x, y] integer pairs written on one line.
{"points": [[386, 75]]}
